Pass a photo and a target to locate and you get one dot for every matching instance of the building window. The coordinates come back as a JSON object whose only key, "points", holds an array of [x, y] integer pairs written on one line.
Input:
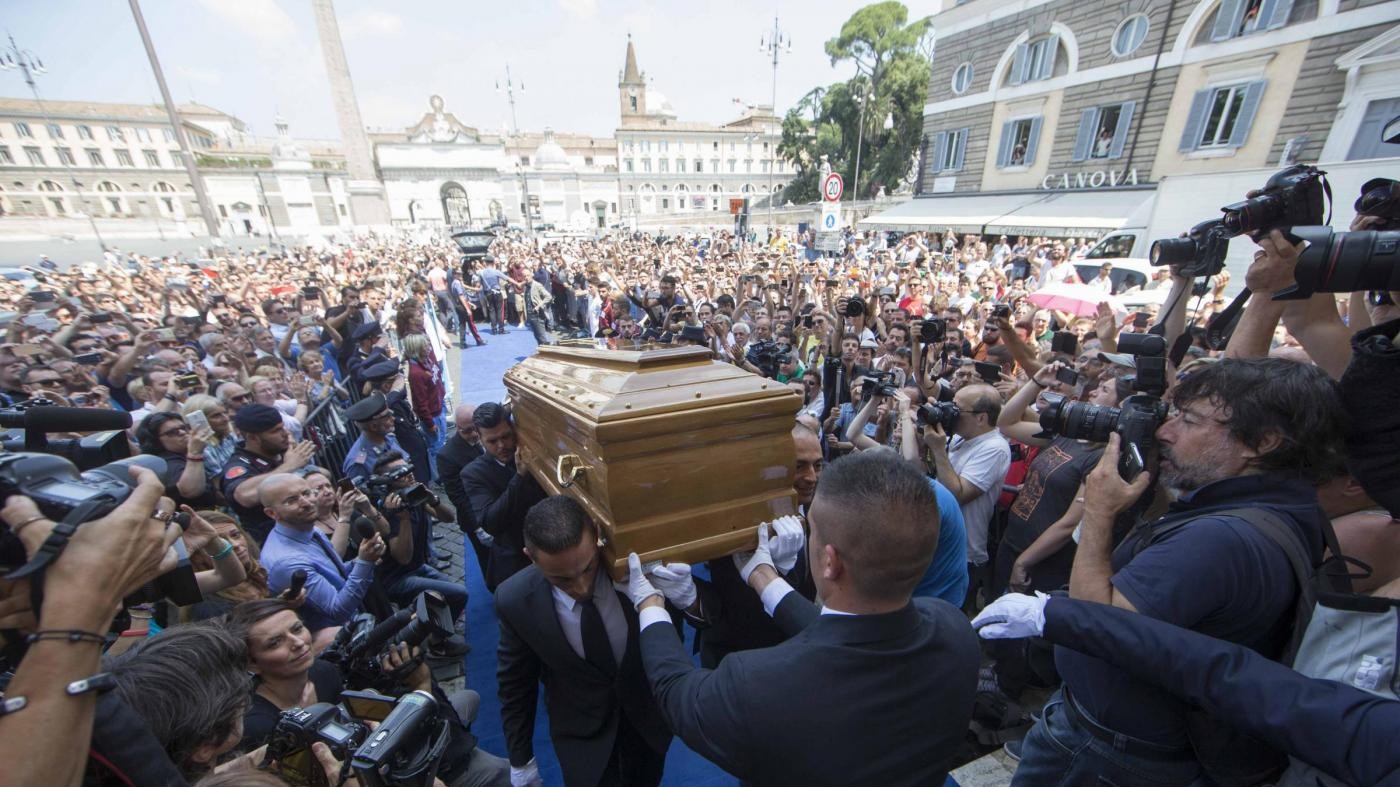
{"points": [[962, 78], [124, 159], [1019, 139], [84, 132], [1366, 144], [646, 165], [223, 212], [663, 165], [65, 157], [169, 135], [748, 165], [143, 135], [22, 129], [716, 145], [680, 165], [177, 159], [588, 161], [949, 148], [342, 209], [1235, 18], [732, 164], [1103, 131], [36, 156], [55, 130], [665, 203], [1221, 117], [115, 204], [115, 134], [1034, 60], [5, 157], [628, 164], [699, 165], [763, 166], [714, 165], [663, 145], [1130, 34], [646, 146], [152, 160]]}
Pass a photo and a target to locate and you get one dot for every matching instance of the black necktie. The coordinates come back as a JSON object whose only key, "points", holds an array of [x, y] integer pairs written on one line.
{"points": [[597, 648]]}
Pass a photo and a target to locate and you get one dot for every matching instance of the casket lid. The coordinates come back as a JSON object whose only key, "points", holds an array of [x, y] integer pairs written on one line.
{"points": [[606, 385]]}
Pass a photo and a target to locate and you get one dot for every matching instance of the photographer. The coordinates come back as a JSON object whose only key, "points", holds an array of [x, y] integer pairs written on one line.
{"points": [[1241, 437], [404, 572], [287, 674], [972, 462]]}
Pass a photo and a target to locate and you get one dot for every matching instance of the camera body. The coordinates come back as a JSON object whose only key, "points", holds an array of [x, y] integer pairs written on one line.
{"points": [[360, 645], [1200, 253], [298, 728], [877, 383], [943, 414], [1001, 311], [406, 748], [933, 331], [1294, 195], [764, 355]]}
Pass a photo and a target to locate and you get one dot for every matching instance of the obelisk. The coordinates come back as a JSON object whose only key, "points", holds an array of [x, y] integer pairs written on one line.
{"points": [[368, 204]]}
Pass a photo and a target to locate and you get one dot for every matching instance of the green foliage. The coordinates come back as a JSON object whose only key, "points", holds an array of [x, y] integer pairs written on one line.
{"points": [[891, 81]]}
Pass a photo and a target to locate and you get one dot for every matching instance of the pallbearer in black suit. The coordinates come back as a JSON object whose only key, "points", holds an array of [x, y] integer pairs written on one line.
{"points": [[500, 491], [872, 689], [565, 626]]}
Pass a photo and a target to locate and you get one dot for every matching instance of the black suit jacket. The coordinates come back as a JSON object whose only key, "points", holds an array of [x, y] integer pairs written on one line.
{"points": [[584, 704], [870, 699], [499, 499], [734, 618], [452, 458]]}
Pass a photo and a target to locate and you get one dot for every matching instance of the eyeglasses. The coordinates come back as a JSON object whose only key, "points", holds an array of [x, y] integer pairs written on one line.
{"points": [[176, 431], [54, 383], [238, 398]]}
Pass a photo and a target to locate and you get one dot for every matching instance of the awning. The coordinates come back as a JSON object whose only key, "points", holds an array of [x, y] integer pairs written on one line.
{"points": [[959, 213], [1076, 213], [1055, 213]]}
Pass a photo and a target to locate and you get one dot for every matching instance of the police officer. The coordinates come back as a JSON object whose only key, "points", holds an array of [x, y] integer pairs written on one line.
{"points": [[376, 423], [383, 377], [363, 339], [266, 448]]}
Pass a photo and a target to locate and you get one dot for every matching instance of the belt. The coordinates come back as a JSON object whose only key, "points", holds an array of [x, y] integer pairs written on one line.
{"points": [[1126, 744]]}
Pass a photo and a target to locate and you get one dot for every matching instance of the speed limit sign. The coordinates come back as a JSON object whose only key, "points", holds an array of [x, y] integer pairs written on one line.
{"points": [[832, 187]]}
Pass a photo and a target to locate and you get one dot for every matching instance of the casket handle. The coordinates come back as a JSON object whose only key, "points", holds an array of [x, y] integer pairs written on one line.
{"points": [[576, 466]]}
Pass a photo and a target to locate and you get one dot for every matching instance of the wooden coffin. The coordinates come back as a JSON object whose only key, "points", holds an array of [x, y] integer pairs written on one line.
{"points": [[676, 456]]}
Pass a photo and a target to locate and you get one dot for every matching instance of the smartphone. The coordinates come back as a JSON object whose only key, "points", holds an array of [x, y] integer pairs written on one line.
{"points": [[1067, 376], [165, 335], [1140, 319], [1065, 342], [187, 381], [219, 298], [989, 372], [197, 420], [307, 319], [345, 485], [97, 317], [807, 321], [88, 359], [310, 293], [1130, 464], [27, 349], [1001, 311]]}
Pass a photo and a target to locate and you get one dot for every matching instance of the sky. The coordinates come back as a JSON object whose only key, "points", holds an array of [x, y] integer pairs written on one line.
{"points": [[257, 59]]}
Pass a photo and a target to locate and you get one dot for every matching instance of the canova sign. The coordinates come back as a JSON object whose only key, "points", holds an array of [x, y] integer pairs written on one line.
{"points": [[1090, 180]]}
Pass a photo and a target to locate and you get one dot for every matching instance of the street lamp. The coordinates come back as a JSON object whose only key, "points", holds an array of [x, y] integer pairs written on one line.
{"points": [[864, 98], [774, 44], [509, 90], [30, 65]]}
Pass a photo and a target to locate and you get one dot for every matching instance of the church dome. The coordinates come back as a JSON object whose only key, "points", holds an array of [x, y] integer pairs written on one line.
{"points": [[549, 155]]}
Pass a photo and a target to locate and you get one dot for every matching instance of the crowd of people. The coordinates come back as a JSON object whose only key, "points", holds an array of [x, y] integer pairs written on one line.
{"points": [[962, 446]]}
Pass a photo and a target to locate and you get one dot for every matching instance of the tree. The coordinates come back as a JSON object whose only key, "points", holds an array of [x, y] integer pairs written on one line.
{"points": [[891, 80]]}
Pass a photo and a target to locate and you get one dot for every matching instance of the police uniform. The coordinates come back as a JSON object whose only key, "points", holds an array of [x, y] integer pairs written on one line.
{"points": [[406, 428], [363, 454], [241, 466]]}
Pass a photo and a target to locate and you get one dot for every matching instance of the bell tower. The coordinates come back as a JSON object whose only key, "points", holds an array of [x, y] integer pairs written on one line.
{"points": [[632, 88]]}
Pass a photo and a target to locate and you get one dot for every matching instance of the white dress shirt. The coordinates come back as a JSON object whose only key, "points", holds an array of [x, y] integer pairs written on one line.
{"points": [[570, 614]]}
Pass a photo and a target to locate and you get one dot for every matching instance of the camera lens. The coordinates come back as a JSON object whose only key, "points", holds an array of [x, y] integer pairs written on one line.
{"points": [[1077, 420], [1347, 261], [1173, 251]]}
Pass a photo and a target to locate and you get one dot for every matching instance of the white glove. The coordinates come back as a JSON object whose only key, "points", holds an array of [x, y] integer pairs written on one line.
{"points": [[748, 561], [527, 775], [675, 584], [484, 537], [1013, 616], [639, 589], [787, 542]]}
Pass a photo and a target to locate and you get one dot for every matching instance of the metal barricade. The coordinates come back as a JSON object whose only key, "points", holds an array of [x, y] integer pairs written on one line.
{"points": [[333, 434]]}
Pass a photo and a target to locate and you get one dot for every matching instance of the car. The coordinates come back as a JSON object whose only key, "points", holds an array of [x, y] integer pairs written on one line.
{"points": [[474, 244], [1127, 272]]}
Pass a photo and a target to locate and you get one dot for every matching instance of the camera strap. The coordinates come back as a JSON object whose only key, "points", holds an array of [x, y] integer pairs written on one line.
{"points": [[52, 547]]}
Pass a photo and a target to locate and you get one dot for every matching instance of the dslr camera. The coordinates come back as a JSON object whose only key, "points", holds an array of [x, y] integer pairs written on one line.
{"points": [[877, 383], [933, 331], [380, 486], [764, 355], [1353, 261], [942, 414], [360, 646], [1136, 419]]}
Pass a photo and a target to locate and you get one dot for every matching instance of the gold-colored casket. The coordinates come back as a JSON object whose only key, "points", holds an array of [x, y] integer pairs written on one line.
{"points": [[676, 456]]}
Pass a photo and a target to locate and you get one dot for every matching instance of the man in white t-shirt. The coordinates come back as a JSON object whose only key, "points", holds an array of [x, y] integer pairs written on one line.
{"points": [[973, 466], [1060, 270]]}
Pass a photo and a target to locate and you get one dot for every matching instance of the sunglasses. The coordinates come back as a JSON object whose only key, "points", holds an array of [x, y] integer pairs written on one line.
{"points": [[175, 432]]}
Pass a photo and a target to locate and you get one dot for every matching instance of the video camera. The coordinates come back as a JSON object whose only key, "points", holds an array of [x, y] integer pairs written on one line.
{"points": [[764, 355], [380, 486], [1136, 419], [360, 646], [405, 749]]}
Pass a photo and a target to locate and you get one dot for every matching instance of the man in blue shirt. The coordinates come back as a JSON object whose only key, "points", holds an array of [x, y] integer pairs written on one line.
{"points": [[491, 278], [334, 591], [376, 423], [946, 577]]}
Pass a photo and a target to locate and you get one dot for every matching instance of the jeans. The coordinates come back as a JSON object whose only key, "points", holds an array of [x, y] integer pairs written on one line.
{"points": [[406, 587], [436, 440], [1059, 751]]}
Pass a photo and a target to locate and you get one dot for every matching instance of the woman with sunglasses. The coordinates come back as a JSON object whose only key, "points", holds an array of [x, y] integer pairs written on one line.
{"points": [[168, 436]]}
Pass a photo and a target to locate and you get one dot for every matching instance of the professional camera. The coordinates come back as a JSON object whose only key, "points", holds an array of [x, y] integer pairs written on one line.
{"points": [[877, 383], [360, 646], [853, 307], [381, 485], [28, 424], [764, 355], [943, 414], [933, 331], [1344, 262], [1001, 311], [1200, 253], [1136, 419], [1292, 196], [405, 749]]}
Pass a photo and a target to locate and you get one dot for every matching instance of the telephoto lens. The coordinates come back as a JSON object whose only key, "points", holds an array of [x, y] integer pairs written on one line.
{"points": [[1344, 262], [1077, 420]]}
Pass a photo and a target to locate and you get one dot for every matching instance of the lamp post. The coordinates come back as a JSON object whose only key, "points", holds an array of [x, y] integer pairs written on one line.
{"points": [[30, 65], [864, 100], [509, 90], [774, 44]]}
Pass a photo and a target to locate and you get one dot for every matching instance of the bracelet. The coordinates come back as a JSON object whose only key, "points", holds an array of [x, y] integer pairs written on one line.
{"points": [[228, 547], [26, 523], [70, 635], [199, 458]]}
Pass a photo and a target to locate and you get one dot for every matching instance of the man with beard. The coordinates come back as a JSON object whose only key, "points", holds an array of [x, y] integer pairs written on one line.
{"points": [[1244, 446], [267, 448]]}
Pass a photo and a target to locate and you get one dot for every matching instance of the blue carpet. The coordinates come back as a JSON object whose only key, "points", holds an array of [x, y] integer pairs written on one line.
{"points": [[482, 368]]}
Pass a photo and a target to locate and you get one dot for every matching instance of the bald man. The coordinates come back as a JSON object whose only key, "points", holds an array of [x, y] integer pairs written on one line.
{"points": [[456, 453], [334, 590]]}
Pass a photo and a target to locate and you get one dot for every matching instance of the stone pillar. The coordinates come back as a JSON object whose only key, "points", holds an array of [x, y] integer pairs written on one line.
{"points": [[368, 204]]}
